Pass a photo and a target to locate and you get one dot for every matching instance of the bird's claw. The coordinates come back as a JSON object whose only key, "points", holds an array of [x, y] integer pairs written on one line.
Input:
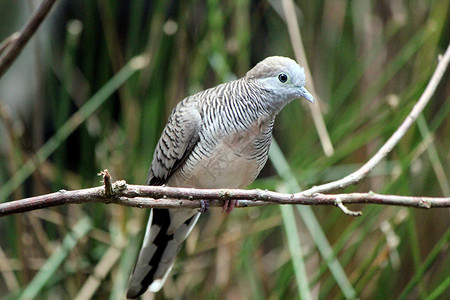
{"points": [[229, 205], [204, 206]]}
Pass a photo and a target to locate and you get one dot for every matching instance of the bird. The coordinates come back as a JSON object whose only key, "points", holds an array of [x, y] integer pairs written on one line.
{"points": [[216, 138]]}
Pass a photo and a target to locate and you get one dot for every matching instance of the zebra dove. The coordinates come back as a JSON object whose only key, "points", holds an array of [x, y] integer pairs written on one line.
{"points": [[217, 138]]}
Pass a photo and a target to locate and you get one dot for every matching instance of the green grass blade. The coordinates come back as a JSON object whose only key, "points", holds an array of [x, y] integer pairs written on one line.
{"points": [[312, 223], [48, 270], [440, 289], [68, 127], [434, 157], [442, 243], [295, 247]]}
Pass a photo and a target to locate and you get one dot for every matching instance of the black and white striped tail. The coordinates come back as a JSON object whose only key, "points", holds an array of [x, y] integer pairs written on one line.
{"points": [[164, 236]]}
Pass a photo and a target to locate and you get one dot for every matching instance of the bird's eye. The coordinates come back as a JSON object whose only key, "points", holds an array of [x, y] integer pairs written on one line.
{"points": [[282, 77]]}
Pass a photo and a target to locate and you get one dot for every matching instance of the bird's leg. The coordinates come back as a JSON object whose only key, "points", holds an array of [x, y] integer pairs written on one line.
{"points": [[228, 205], [204, 206]]}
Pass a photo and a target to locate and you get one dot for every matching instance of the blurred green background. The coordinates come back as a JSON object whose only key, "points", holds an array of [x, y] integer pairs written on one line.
{"points": [[370, 62]]}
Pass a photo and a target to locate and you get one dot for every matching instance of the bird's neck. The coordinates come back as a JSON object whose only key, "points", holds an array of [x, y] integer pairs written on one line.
{"points": [[268, 102]]}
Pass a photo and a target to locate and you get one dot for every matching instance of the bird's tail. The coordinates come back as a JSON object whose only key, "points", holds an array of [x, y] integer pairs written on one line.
{"points": [[165, 233]]}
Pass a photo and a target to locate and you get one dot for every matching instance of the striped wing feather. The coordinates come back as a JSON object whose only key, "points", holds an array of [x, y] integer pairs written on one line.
{"points": [[176, 142]]}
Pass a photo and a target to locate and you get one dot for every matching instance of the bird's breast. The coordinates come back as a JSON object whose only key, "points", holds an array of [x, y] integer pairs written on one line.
{"points": [[230, 159]]}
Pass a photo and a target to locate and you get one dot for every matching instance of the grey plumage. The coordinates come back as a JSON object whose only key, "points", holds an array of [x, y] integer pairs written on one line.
{"points": [[217, 138]]}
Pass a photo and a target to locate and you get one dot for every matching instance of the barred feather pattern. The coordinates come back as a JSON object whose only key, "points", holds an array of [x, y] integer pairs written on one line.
{"points": [[217, 138]]}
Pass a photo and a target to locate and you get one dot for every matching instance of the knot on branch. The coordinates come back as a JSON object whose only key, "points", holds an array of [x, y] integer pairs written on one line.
{"points": [[262, 195], [119, 185], [112, 189], [424, 203]]}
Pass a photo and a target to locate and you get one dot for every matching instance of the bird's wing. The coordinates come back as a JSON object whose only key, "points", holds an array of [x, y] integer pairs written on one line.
{"points": [[163, 239], [176, 142]]}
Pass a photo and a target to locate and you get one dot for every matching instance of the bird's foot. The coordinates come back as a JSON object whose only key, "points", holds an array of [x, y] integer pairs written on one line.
{"points": [[204, 206], [229, 205]]}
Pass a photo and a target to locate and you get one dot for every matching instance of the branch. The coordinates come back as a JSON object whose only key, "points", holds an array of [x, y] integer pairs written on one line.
{"points": [[362, 172], [144, 196], [17, 43]]}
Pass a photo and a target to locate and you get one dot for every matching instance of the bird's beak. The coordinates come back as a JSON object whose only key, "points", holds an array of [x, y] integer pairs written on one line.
{"points": [[305, 94]]}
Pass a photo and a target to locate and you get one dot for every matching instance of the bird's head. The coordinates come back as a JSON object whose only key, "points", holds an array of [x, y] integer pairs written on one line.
{"points": [[282, 77]]}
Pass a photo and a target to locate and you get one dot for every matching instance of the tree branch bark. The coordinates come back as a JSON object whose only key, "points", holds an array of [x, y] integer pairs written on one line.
{"points": [[144, 196]]}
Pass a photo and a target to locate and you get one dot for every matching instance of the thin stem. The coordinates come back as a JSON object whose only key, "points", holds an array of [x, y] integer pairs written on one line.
{"points": [[17, 44]]}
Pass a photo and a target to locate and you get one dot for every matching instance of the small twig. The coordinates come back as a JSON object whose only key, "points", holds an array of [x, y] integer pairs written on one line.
{"points": [[16, 46], [362, 172], [345, 209], [8, 41], [171, 197], [107, 182]]}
